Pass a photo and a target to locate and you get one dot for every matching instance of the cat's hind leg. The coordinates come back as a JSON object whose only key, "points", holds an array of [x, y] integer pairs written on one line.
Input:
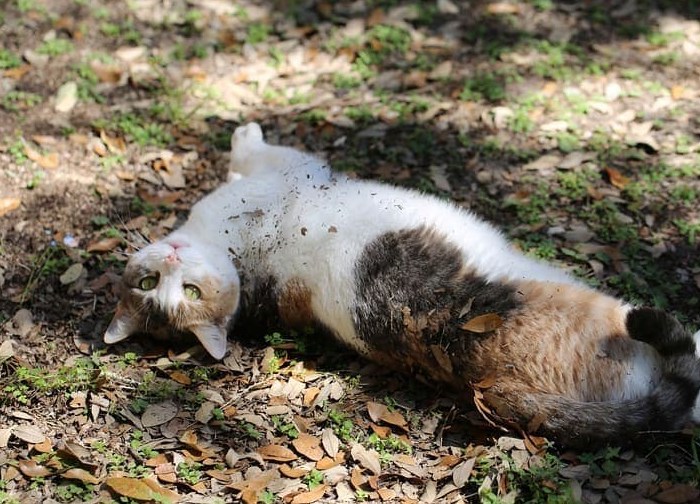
{"points": [[245, 141]]}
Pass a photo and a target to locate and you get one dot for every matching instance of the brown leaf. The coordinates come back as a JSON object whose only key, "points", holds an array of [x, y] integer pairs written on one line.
{"points": [[47, 161], [487, 382], [502, 8], [677, 92], [158, 414], [309, 446], [17, 73], [292, 472], [369, 459], [80, 474], [7, 205], [381, 431], [330, 442], [616, 178], [278, 453], [386, 494], [250, 489], [44, 447], [104, 245], [357, 478], [462, 473], [29, 433], [483, 323], [180, 378], [116, 145], [106, 72], [326, 463], [376, 17], [136, 223], [678, 494], [311, 496], [441, 357], [160, 197], [33, 470], [156, 461], [141, 489]]}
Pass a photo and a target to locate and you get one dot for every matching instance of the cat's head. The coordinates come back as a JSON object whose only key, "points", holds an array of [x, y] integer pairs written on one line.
{"points": [[173, 286]]}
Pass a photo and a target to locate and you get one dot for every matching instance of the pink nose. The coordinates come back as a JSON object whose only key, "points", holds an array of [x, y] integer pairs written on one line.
{"points": [[177, 244], [172, 258]]}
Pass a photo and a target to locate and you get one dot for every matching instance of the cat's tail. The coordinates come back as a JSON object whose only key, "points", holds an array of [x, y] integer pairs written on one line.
{"points": [[670, 405]]}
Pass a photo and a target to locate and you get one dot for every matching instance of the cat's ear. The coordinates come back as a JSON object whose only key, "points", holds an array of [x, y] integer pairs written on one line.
{"points": [[212, 337], [124, 324]]}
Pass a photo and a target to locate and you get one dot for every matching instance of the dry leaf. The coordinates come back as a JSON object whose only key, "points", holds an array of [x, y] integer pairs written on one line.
{"points": [[158, 414], [141, 489], [311, 496], [677, 92], [326, 463], [616, 178], [309, 446], [44, 447], [17, 73], [116, 145], [5, 435], [33, 470], [386, 494], [369, 459], [678, 494], [250, 489], [462, 473], [180, 377], [80, 474], [278, 453], [104, 245], [502, 8], [29, 433], [381, 431], [48, 161], [7, 205], [330, 442], [357, 478], [483, 323], [160, 197], [292, 472]]}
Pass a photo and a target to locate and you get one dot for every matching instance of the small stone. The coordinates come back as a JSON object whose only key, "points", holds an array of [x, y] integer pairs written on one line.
{"points": [[66, 97]]}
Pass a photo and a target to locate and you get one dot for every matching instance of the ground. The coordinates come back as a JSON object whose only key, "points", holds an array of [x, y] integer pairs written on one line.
{"points": [[571, 125]]}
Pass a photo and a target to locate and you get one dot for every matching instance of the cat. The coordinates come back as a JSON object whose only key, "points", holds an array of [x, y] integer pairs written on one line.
{"points": [[416, 283]]}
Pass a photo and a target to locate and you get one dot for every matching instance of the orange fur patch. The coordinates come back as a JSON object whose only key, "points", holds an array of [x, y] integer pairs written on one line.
{"points": [[294, 304], [566, 340]]}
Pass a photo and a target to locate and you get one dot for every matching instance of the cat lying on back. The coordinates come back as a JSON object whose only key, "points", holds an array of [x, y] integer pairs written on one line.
{"points": [[396, 275]]}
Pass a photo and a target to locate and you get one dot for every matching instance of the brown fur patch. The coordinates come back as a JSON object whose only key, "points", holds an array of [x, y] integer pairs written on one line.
{"points": [[294, 304]]}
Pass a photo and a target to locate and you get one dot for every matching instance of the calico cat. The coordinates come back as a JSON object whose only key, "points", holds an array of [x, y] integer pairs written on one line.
{"points": [[415, 283]]}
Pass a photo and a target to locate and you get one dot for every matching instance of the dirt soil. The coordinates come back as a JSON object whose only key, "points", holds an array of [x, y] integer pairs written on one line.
{"points": [[571, 125]]}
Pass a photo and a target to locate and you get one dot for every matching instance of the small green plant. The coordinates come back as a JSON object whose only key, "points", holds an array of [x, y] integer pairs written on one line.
{"points": [[691, 230], [266, 497], [137, 445], [82, 374], [285, 428], [483, 85], [74, 492], [603, 463], [346, 81], [9, 60], [342, 426], [667, 58], [55, 47], [251, 431], [313, 478], [189, 471], [257, 33]]}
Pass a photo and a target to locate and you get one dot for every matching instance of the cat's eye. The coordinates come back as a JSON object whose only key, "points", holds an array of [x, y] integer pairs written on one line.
{"points": [[148, 282], [192, 292]]}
